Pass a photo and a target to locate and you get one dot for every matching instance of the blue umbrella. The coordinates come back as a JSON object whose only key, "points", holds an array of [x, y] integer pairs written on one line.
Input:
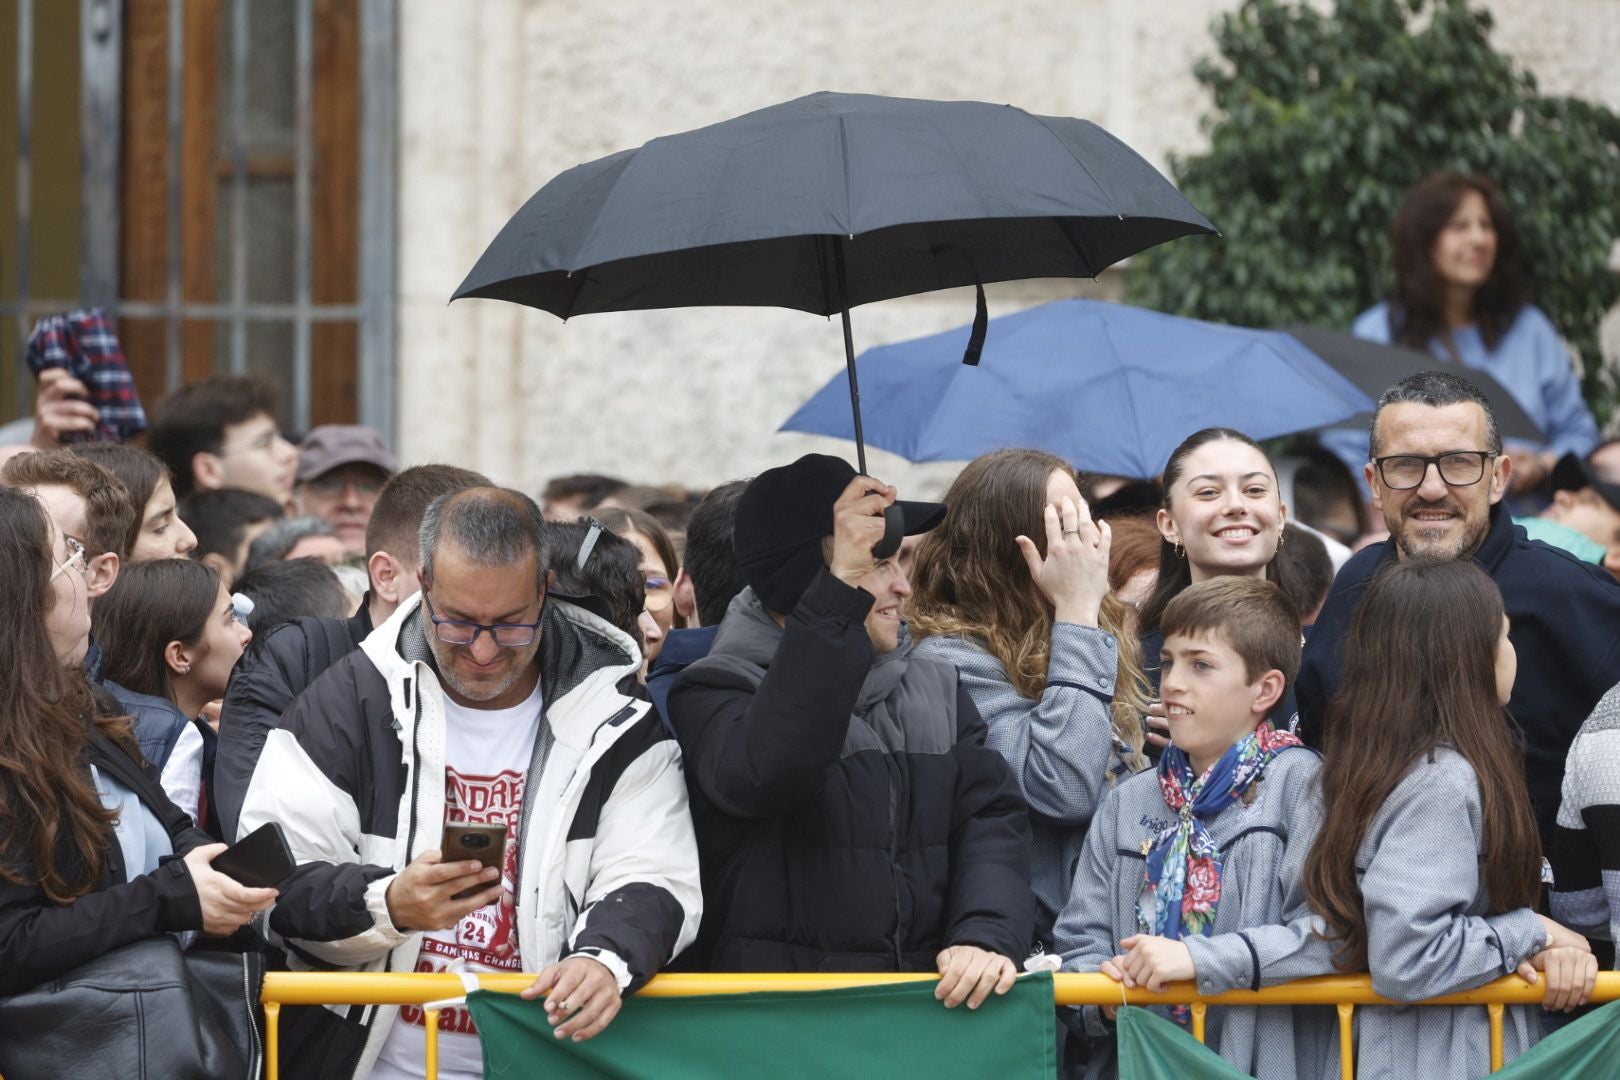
{"points": [[1108, 387]]}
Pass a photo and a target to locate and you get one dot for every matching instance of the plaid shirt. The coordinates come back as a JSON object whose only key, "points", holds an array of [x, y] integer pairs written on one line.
{"points": [[83, 342]]}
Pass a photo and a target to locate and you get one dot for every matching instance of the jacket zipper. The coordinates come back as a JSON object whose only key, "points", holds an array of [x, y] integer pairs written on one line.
{"points": [[894, 860], [415, 704], [595, 750], [530, 789], [255, 1056]]}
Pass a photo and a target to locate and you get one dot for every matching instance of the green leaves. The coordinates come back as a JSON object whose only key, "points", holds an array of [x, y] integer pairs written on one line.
{"points": [[1321, 123]]}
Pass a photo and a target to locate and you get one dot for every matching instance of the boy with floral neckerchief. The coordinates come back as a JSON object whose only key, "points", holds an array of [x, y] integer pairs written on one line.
{"points": [[1193, 871]]}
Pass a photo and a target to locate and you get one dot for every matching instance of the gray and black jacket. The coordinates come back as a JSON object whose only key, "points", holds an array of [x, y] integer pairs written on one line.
{"points": [[277, 667], [355, 775], [849, 813]]}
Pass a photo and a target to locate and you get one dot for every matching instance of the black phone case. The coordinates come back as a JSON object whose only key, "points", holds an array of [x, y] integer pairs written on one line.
{"points": [[261, 860]]}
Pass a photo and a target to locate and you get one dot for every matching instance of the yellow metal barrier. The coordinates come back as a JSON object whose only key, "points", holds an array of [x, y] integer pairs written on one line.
{"points": [[1345, 992]]}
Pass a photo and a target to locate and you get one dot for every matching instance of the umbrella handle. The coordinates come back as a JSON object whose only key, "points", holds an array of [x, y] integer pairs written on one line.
{"points": [[894, 531]]}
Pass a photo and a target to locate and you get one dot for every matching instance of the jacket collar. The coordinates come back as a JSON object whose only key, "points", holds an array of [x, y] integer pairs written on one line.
{"points": [[684, 647], [579, 653], [751, 635]]}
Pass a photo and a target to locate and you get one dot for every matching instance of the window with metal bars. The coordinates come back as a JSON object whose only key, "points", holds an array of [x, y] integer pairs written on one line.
{"points": [[219, 175]]}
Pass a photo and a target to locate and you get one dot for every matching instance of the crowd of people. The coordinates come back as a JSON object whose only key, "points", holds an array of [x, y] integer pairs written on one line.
{"points": [[1233, 724]]}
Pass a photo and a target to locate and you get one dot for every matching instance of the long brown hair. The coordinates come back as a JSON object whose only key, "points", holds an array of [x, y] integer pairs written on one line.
{"points": [[1175, 571], [47, 800], [1419, 671], [1417, 307], [151, 604], [971, 581]]}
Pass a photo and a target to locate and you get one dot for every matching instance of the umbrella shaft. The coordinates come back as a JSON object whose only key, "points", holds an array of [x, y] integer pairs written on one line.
{"points": [[849, 353]]}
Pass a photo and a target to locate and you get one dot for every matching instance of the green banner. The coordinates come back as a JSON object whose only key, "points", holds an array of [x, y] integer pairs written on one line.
{"points": [[879, 1031], [1588, 1048], [1152, 1048]]}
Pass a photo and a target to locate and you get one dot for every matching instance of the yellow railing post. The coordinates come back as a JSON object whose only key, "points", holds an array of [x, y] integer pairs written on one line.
{"points": [[1495, 1009], [1347, 1041], [1198, 1011], [272, 1040], [430, 1048]]}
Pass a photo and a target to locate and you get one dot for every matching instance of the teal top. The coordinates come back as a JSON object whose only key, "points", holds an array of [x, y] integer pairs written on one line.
{"points": [[1578, 544]]}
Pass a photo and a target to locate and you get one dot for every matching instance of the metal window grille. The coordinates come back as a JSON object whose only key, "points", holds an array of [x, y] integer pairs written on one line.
{"points": [[100, 123]]}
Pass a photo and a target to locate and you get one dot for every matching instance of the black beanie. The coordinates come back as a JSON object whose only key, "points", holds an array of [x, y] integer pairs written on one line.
{"points": [[784, 514]]}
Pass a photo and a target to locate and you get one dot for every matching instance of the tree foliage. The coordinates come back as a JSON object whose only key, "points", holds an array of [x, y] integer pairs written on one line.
{"points": [[1321, 122]]}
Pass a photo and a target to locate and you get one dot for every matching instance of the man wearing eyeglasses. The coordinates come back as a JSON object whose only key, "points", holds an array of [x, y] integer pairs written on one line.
{"points": [[222, 432], [481, 702], [1438, 472], [341, 470]]}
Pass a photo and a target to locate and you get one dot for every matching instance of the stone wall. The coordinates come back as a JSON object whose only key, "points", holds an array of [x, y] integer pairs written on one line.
{"points": [[499, 96]]}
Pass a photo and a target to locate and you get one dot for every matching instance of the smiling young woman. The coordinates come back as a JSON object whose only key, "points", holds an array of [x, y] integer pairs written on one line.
{"points": [[1222, 514]]}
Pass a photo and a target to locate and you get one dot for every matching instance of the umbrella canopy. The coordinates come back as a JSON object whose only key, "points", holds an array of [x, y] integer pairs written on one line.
{"points": [[757, 211], [1374, 368], [1108, 387], [829, 201]]}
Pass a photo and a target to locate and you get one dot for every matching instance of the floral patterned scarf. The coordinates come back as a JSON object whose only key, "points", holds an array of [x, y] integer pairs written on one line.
{"points": [[1182, 883]]}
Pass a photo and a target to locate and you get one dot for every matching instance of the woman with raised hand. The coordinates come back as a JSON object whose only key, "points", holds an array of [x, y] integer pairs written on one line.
{"points": [[1012, 588], [169, 629], [83, 824], [1427, 863]]}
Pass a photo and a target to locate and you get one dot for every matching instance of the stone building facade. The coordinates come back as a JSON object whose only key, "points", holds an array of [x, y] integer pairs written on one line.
{"points": [[499, 96]]}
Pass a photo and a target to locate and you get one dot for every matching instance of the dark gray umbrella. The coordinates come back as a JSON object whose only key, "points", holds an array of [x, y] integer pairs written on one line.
{"points": [[829, 201], [1374, 368]]}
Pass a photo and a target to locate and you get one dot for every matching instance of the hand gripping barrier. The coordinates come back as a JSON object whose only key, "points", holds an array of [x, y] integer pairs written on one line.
{"points": [[1345, 992]]}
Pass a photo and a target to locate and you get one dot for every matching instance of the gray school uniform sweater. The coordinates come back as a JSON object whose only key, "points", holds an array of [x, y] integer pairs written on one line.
{"points": [[1428, 934], [1263, 843], [1061, 748]]}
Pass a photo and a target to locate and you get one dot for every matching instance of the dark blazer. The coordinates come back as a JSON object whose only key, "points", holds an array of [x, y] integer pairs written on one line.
{"points": [[1565, 626], [40, 940]]}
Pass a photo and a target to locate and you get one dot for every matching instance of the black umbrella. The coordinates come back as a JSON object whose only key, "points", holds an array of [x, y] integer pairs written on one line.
{"points": [[1374, 368], [829, 201]]}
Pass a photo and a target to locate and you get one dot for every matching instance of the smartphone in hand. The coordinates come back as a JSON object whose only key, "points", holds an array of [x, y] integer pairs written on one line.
{"points": [[261, 860], [481, 843]]}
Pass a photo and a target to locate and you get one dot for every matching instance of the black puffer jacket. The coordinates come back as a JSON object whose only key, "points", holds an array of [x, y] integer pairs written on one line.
{"points": [[40, 940], [849, 815], [275, 670]]}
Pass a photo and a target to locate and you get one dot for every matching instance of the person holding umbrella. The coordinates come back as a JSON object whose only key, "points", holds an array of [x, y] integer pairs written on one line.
{"points": [[849, 815], [1012, 589], [1460, 295]]}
